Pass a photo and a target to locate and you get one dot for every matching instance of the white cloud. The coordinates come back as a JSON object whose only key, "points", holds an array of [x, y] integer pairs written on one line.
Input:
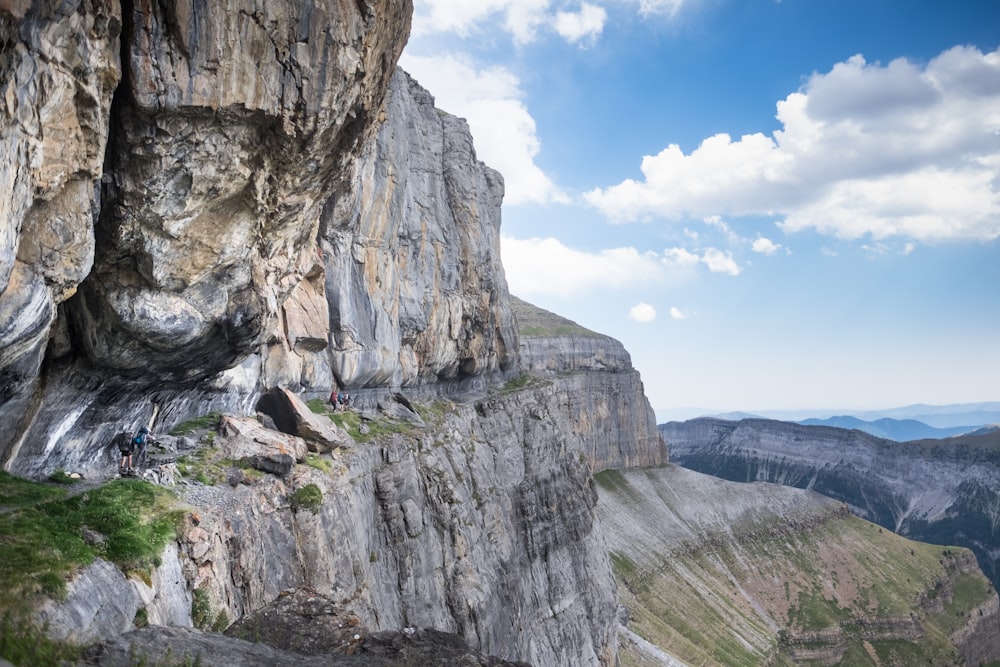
{"points": [[668, 7], [675, 313], [582, 26], [490, 99], [719, 261], [643, 313], [765, 246], [865, 149], [522, 19], [519, 17], [546, 266]]}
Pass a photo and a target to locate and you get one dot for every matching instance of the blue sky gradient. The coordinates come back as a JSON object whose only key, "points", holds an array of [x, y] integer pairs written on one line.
{"points": [[773, 205]]}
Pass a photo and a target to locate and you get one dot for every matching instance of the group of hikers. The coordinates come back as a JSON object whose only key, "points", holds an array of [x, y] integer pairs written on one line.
{"points": [[132, 446], [340, 400]]}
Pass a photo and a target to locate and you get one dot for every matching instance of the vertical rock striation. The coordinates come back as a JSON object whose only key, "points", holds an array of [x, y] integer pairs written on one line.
{"points": [[416, 289]]}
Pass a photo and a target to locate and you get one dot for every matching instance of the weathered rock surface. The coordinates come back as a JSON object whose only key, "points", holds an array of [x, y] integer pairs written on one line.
{"points": [[291, 415], [480, 524], [58, 69], [721, 573], [416, 289], [608, 404], [940, 491], [383, 649]]}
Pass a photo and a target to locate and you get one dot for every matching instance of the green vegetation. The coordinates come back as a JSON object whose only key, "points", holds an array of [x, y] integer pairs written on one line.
{"points": [[209, 422], [516, 384], [308, 497], [352, 422], [203, 466], [23, 643], [705, 600], [321, 463], [201, 612], [535, 322], [42, 543], [46, 536], [60, 477]]}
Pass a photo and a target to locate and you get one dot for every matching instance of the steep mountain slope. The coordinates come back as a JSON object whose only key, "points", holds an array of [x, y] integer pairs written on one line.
{"points": [[721, 573], [939, 491]]}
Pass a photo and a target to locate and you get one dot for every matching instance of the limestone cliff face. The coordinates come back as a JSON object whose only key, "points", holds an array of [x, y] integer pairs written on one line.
{"points": [[416, 290], [608, 404], [481, 524], [210, 200]]}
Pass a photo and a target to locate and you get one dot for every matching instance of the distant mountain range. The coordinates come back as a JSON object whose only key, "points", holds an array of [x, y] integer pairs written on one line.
{"points": [[911, 422], [901, 430]]}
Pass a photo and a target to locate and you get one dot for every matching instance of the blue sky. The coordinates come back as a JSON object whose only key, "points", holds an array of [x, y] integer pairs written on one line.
{"points": [[784, 205]]}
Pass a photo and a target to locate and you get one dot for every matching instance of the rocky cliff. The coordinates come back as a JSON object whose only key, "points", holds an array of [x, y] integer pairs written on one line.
{"points": [[729, 573], [941, 491], [212, 200]]}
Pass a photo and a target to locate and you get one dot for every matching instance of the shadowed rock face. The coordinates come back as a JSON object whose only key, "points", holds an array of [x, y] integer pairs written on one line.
{"points": [[236, 123]]}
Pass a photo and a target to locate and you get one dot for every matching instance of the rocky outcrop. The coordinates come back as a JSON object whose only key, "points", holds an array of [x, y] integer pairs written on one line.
{"points": [[481, 524], [940, 491], [608, 407], [181, 207]]}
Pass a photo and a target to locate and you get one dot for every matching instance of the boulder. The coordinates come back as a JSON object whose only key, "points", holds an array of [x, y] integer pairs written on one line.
{"points": [[245, 439], [291, 415]]}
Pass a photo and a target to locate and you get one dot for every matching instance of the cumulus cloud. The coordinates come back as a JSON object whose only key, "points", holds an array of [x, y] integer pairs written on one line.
{"points": [[546, 266], [721, 261], [520, 18], [491, 100], [865, 149], [765, 246], [717, 261], [583, 26], [676, 314], [643, 313]]}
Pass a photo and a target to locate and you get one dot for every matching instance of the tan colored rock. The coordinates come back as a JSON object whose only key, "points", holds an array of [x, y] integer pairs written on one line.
{"points": [[245, 437], [291, 415]]}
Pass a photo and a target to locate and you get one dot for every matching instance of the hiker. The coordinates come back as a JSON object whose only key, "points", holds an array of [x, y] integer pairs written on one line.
{"points": [[125, 447], [141, 442], [333, 397]]}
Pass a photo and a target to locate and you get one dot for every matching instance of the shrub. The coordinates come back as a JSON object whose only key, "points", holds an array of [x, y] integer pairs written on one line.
{"points": [[306, 497]]}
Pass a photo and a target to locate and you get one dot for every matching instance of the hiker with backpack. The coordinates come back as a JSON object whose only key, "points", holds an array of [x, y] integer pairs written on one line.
{"points": [[127, 446], [141, 442]]}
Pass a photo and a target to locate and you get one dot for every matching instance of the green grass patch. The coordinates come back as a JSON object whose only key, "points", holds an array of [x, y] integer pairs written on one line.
{"points": [[18, 492], [321, 463], [43, 544], [203, 616], [209, 422], [622, 565], [319, 406], [25, 644], [308, 497], [204, 466], [522, 382]]}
